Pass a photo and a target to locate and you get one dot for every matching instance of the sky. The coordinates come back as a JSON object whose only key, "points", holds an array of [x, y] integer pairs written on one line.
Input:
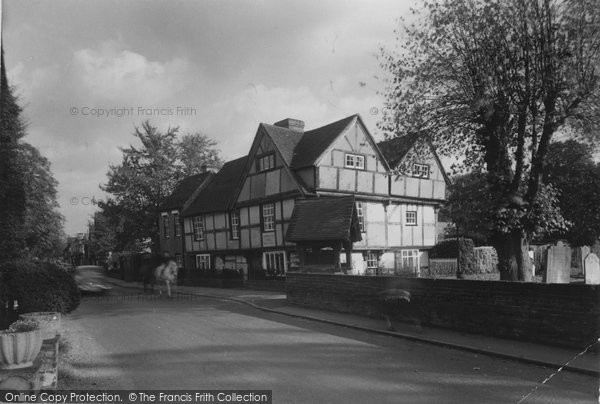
{"points": [[88, 72]]}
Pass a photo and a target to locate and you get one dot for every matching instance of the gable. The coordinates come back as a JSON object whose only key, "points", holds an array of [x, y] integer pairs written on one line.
{"points": [[316, 141], [401, 152], [422, 152], [355, 140], [406, 182], [267, 171]]}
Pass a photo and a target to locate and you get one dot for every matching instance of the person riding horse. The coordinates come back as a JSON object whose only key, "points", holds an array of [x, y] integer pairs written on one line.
{"points": [[156, 267]]}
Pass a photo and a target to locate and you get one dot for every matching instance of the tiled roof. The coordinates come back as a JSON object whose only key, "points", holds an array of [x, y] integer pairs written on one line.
{"points": [[395, 149], [218, 195], [183, 191], [324, 219], [285, 140], [316, 141]]}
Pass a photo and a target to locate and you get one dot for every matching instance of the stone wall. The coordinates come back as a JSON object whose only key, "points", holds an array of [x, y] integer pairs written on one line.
{"points": [[557, 314]]}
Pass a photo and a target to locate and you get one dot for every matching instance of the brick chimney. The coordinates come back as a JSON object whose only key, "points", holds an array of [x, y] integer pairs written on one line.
{"points": [[293, 124]]}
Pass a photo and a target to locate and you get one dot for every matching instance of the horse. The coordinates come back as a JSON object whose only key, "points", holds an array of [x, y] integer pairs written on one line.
{"points": [[167, 273]]}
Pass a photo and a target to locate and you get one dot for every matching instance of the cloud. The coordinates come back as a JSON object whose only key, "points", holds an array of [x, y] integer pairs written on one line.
{"points": [[127, 77], [236, 64]]}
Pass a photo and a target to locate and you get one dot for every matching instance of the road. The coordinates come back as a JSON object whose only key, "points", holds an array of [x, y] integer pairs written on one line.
{"points": [[130, 340]]}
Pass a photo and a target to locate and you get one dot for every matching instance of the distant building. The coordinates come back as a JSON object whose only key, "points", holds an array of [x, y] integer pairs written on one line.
{"points": [[329, 198], [77, 250]]}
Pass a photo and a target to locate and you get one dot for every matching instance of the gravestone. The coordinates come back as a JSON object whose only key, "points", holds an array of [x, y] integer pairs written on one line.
{"points": [[558, 269], [592, 269], [585, 250]]}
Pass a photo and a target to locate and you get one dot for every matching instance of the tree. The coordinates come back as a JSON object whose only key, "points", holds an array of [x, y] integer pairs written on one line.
{"points": [[43, 224], [31, 224], [12, 189], [571, 169], [494, 81], [197, 151], [471, 203], [145, 177], [102, 236]]}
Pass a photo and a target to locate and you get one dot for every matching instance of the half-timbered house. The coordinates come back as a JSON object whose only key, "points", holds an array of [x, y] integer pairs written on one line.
{"points": [[330, 198]]}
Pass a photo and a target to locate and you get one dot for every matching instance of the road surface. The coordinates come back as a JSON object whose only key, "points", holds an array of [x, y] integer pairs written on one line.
{"points": [[130, 340]]}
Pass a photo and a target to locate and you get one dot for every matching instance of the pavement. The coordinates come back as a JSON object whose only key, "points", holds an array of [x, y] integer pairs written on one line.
{"points": [[557, 358]]}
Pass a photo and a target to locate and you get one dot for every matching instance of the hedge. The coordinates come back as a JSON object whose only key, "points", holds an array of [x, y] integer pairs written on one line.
{"points": [[40, 286], [486, 260]]}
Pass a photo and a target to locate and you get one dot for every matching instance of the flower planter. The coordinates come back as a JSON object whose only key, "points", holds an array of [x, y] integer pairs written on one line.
{"points": [[19, 349], [49, 322]]}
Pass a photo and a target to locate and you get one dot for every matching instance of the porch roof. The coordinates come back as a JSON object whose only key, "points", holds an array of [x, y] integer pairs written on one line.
{"points": [[324, 219]]}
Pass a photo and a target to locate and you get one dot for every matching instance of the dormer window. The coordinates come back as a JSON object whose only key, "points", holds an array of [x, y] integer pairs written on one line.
{"points": [[420, 170], [266, 162], [355, 161]]}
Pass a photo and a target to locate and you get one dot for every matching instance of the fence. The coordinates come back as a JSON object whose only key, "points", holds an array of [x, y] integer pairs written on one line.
{"points": [[442, 267]]}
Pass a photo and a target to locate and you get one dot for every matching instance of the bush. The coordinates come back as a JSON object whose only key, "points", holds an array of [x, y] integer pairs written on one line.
{"points": [[41, 286], [486, 260]]}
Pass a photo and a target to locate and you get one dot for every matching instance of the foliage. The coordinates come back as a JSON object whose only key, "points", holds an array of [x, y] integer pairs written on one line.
{"points": [[102, 235], [469, 205], [572, 171], [493, 81], [40, 286], [145, 177], [23, 326], [486, 259], [472, 202], [30, 222], [198, 150], [12, 197], [43, 225]]}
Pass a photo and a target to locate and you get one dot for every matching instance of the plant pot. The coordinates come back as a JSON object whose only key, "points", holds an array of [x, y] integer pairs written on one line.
{"points": [[19, 349], [49, 322]]}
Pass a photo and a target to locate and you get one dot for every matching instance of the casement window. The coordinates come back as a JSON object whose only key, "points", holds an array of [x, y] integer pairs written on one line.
{"points": [[165, 220], [361, 216], [355, 161], [274, 263], [234, 218], [176, 225], [179, 260], [420, 170], [372, 260], [198, 225], [268, 216], [266, 162], [411, 218], [203, 261], [410, 261]]}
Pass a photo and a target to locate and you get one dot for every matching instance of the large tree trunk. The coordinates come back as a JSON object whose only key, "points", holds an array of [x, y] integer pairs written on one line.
{"points": [[513, 257]]}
